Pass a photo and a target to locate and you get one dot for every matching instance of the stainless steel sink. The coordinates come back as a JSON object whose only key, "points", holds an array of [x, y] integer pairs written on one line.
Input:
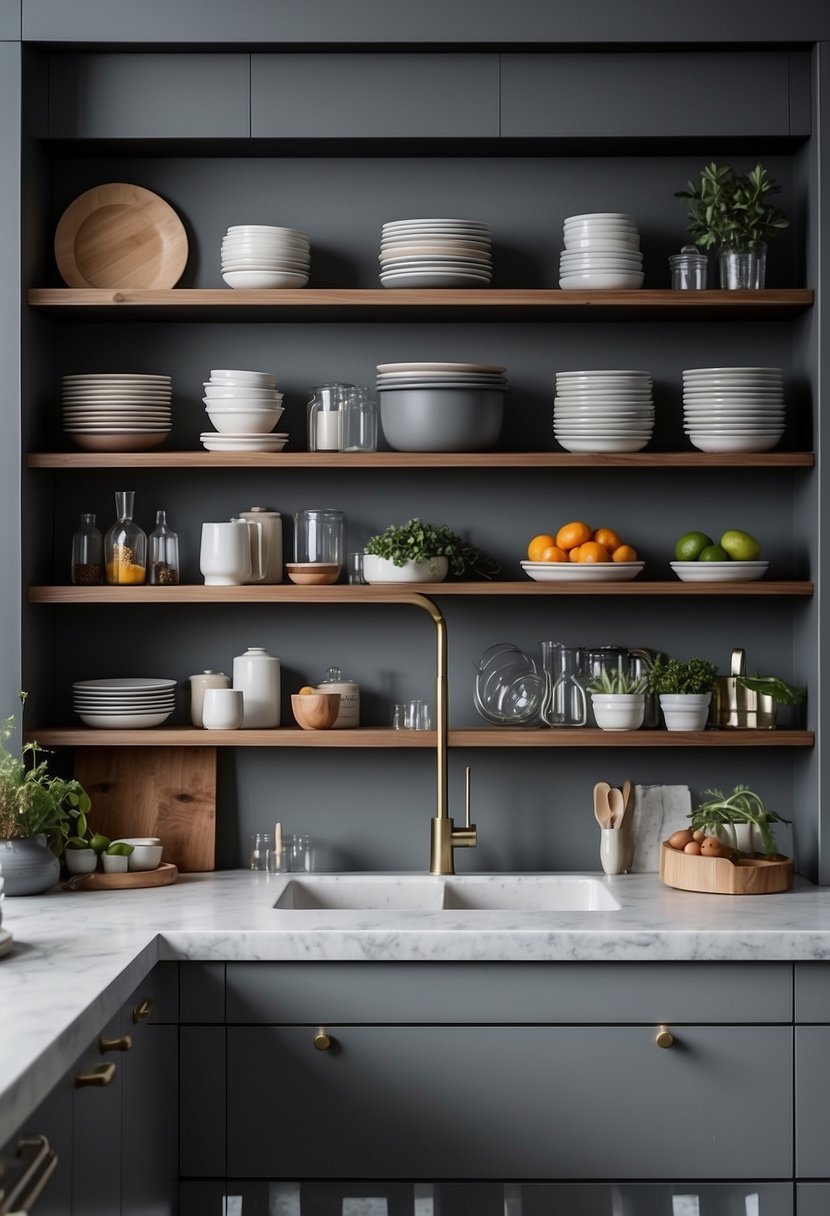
{"points": [[458, 893]]}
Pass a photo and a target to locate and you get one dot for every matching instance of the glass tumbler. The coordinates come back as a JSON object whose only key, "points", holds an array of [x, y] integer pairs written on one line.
{"points": [[358, 421], [565, 702], [319, 536]]}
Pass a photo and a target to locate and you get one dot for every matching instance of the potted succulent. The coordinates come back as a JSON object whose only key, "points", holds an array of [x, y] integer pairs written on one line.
{"points": [[417, 552], [39, 815], [731, 213], [618, 699], [740, 820], [684, 687]]}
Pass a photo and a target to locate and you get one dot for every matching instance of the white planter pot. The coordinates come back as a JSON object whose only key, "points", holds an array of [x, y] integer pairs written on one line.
{"points": [[383, 570], [81, 861], [114, 864], [619, 711], [685, 711]]}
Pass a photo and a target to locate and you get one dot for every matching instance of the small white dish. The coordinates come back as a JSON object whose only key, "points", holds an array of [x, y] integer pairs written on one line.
{"points": [[222, 375], [263, 280], [601, 282], [251, 443], [732, 443], [146, 854], [602, 445], [588, 572], [136, 721], [719, 572]]}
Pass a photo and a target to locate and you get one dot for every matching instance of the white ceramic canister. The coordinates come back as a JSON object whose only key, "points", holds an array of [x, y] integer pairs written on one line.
{"points": [[271, 524], [198, 683], [256, 673], [349, 714]]}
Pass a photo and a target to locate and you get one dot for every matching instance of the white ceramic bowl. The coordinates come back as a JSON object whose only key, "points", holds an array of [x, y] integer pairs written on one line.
{"points": [[146, 854], [124, 721], [249, 392], [249, 443], [598, 444], [383, 570], [719, 572], [732, 443], [221, 375], [254, 280], [253, 422], [611, 281]]}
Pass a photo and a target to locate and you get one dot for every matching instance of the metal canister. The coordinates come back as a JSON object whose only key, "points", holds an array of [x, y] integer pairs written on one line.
{"points": [[735, 707]]}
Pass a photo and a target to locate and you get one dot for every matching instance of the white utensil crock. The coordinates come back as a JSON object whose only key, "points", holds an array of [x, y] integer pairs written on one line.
{"points": [[225, 554], [256, 673]]}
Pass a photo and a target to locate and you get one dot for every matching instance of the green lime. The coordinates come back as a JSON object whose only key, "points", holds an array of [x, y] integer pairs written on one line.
{"points": [[99, 842], [119, 850], [713, 553], [740, 546], [690, 546]]}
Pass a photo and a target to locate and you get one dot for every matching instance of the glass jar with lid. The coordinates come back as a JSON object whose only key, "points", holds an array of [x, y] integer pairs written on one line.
{"points": [[325, 417], [349, 713], [87, 554]]}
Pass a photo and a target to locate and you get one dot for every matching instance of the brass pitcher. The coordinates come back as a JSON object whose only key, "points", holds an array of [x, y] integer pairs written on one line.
{"points": [[734, 707]]}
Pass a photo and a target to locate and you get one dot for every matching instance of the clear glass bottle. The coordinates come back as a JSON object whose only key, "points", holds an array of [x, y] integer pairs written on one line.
{"points": [[164, 554], [358, 421], [324, 417], [125, 545], [88, 554]]}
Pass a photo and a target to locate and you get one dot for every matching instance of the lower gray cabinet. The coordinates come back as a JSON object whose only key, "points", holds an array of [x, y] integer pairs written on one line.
{"points": [[812, 1085], [813, 1198], [52, 1119], [96, 1129]]}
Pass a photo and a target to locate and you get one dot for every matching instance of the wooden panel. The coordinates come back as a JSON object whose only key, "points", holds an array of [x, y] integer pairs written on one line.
{"points": [[165, 792]]}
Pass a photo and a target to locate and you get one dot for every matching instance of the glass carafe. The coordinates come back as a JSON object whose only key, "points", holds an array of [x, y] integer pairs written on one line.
{"points": [[358, 421], [125, 544], [325, 417], [565, 702], [164, 553], [87, 554]]}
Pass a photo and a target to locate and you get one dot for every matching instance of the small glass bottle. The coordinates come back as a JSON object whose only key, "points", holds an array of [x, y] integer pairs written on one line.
{"points": [[125, 545], [88, 554], [164, 554], [358, 421]]}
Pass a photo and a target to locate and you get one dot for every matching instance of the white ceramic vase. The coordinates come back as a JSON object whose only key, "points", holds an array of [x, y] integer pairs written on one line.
{"points": [[685, 711], [619, 711], [257, 674], [383, 570]]}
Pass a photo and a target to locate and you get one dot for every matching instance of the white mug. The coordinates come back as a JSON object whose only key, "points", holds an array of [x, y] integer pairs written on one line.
{"points": [[225, 555], [222, 709]]}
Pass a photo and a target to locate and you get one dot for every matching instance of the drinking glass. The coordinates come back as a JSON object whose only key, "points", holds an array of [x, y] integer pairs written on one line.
{"points": [[319, 536], [262, 847], [565, 702]]}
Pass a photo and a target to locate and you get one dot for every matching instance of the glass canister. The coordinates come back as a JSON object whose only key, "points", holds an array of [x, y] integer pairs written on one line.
{"points": [[125, 545], [324, 417], [565, 702], [198, 683], [349, 713], [358, 421], [88, 554], [256, 673], [164, 554], [319, 536], [689, 269]]}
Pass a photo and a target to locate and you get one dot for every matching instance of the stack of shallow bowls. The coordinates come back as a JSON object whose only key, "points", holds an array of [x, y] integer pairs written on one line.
{"points": [[603, 411], [435, 253], [111, 412], [441, 407], [602, 252], [244, 407], [128, 703], [733, 409], [261, 255]]}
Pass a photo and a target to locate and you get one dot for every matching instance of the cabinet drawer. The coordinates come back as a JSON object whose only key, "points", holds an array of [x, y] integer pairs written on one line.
{"points": [[813, 1198], [812, 1085], [128, 96], [508, 992], [812, 992], [374, 95], [506, 1102]]}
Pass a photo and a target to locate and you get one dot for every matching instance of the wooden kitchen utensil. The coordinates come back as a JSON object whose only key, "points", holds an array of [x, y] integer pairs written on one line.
{"points": [[169, 792], [602, 811], [616, 805]]}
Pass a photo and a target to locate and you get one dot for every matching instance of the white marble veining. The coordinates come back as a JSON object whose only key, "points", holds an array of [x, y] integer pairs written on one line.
{"points": [[78, 956]]}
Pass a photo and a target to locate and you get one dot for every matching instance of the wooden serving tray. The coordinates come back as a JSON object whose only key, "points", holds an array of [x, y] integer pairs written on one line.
{"points": [[720, 876], [162, 876]]}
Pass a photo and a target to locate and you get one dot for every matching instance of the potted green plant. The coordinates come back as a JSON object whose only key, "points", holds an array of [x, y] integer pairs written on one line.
{"points": [[618, 699], [731, 213], [740, 819], [684, 687], [39, 814], [418, 552]]}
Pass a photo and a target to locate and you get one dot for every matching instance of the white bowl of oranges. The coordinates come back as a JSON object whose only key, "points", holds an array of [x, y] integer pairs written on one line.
{"points": [[579, 553]]}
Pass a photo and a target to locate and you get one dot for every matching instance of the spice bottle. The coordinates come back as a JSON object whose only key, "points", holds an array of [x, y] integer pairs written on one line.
{"points": [[164, 554], [349, 713], [125, 545], [88, 554]]}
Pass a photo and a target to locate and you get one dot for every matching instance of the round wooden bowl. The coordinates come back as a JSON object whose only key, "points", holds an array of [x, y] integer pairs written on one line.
{"points": [[315, 710], [312, 574]]}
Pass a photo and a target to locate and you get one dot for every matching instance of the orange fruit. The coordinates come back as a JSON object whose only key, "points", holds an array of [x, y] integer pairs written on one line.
{"points": [[572, 534], [607, 537], [553, 554], [624, 553], [590, 551], [537, 546], [573, 555]]}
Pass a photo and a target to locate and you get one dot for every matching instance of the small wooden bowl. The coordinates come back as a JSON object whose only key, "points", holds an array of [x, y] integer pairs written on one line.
{"points": [[315, 710], [312, 574], [721, 876]]}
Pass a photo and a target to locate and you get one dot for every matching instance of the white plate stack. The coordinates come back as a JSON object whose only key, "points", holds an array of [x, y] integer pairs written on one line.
{"points": [[602, 253], [264, 256], [114, 412], [733, 409], [603, 411], [244, 407], [435, 253], [128, 703]]}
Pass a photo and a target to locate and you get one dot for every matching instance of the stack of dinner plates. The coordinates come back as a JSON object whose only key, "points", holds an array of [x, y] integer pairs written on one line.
{"points": [[603, 411], [602, 252], [126, 703], [117, 412], [435, 253], [733, 409], [264, 256]]}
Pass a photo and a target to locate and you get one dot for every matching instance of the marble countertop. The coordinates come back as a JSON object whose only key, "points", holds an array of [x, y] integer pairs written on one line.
{"points": [[77, 956]]}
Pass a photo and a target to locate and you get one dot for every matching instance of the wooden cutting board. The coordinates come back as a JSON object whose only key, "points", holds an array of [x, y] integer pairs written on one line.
{"points": [[169, 792]]}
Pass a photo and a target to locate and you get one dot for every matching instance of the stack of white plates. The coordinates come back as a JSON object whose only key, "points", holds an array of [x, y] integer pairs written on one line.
{"points": [[435, 253], [243, 406], [733, 409], [602, 252], [115, 412], [261, 255], [128, 703], [603, 411]]}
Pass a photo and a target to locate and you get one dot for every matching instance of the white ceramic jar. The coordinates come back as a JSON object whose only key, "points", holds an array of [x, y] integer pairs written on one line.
{"points": [[198, 684], [348, 715], [256, 673]]}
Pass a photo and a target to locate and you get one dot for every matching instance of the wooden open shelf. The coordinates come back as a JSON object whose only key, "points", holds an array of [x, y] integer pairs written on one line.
{"points": [[223, 303]]}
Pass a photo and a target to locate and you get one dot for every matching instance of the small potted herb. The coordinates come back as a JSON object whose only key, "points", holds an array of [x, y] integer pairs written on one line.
{"points": [[618, 699], [685, 690], [417, 552], [739, 819]]}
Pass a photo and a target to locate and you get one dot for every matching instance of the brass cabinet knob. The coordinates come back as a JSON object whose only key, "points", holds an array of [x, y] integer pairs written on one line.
{"points": [[102, 1075], [142, 1012], [665, 1038], [123, 1043], [321, 1040]]}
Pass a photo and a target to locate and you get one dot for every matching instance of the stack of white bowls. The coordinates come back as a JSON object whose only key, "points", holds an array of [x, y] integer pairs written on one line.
{"points": [[602, 252], [603, 411], [435, 253], [261, 255], [733, 409], [128, 703], [114, 412], [441, 407], [244, 407]]}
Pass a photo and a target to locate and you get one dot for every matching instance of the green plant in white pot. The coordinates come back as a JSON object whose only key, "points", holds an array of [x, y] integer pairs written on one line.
{"points": [[618, 699], [740, 819], [418, 552], [684, 687]]}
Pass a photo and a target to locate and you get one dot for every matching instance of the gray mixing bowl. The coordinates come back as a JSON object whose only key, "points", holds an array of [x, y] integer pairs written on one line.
{"points": [[441, 420]]}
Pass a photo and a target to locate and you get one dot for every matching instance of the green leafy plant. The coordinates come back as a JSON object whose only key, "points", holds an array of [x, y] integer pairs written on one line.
{"points": [[679, 676], [728, 209], [771, 686], [32, 801], [743, 805], [614, 683], [419, 542]]}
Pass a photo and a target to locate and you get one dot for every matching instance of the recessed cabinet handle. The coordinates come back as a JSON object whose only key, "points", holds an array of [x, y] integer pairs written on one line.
{"points": [[665, 1038], [123, 1043], [101, 1075], [142, 1012], [321, 1040]]}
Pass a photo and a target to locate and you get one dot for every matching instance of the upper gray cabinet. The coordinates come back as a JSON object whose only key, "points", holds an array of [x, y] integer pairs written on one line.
{"points": [[148, 96], [9, 20], [372, 96], [671, 94]]}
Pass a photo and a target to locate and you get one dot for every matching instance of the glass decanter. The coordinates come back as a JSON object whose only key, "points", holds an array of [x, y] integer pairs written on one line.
{"points": [[87, 554], [164, 554], [125, 545]]}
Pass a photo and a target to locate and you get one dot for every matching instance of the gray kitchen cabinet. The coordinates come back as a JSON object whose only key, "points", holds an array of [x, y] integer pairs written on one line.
{"points": [[812, 1198], [202, 1102], [354, 95], [52, 1119], [9, 20], [97, 1128], [812, 1079]]}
